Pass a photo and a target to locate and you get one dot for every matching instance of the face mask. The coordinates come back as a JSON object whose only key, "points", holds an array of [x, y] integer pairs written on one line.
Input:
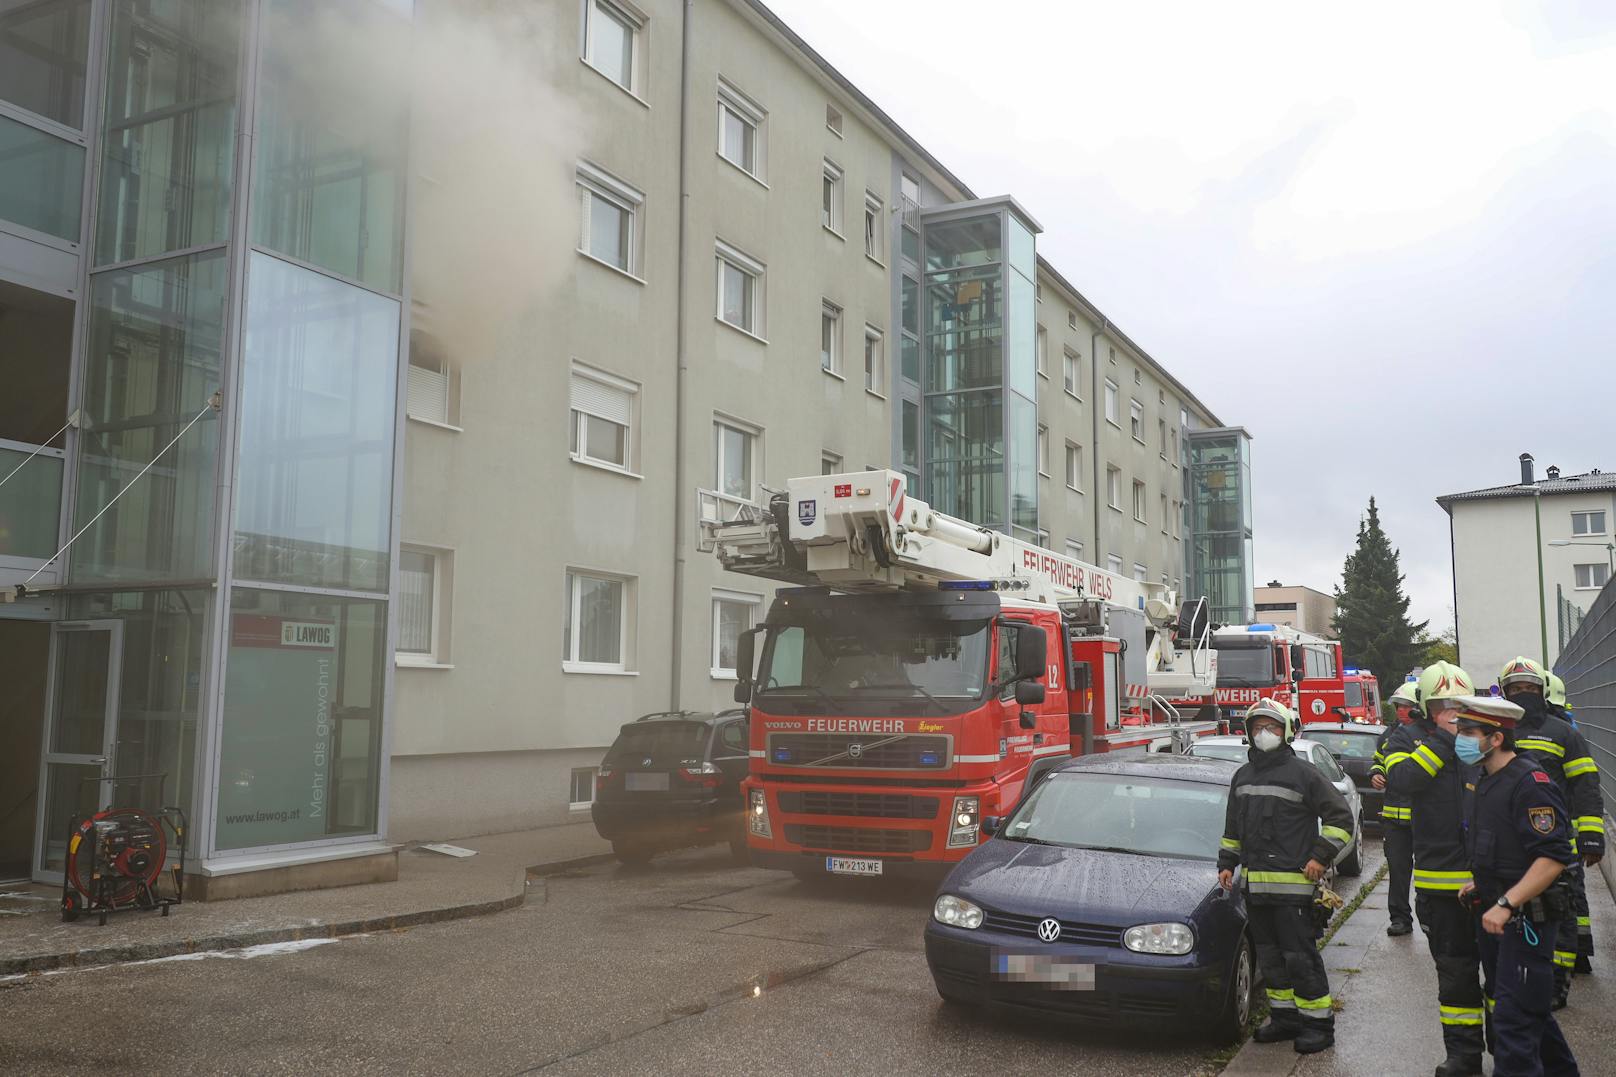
{"points": [[1469, 750], [1530, 702], [1266, 740]]}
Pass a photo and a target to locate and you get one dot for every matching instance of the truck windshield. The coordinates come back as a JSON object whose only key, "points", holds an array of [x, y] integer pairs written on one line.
{"points": [[1354, 694], [862, 656], [1246, 667]]}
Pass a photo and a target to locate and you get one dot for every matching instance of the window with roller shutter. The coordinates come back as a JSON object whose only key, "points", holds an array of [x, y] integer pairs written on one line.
{"points": [[602, 421]]}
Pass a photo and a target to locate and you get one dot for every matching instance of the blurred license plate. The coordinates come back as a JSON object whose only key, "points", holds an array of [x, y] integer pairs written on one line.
{"points": [[1038, 969], [647, 783], [847, 865]]}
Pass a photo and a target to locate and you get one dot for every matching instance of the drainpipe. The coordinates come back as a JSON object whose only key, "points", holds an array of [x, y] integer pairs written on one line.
{"points": [[1096, 403], [676, 650]]}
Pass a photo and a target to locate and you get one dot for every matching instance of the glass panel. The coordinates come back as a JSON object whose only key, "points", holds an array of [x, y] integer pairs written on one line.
{"points": [[965, 456], [911, 305], [960, 244], [328, 184], [41, 180], [608, 231], [734, 462], [415, 601], [1021, 357], [911, 434], [67, 795], [911, 244], [605, 440], [739, 139], [44, 48], [1023, 462], [170, 127], [315, 479], [964, 313], [299, 755], [153, 361], [737, 296], [732, 621], [613, 47], [30, 504], [1023, 253], [600, 619], [79, 721], [36, 332]]}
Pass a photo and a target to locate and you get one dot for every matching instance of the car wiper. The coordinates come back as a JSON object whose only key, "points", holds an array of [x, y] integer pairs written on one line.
{"points": [[1118, 849], [1035, 841]]}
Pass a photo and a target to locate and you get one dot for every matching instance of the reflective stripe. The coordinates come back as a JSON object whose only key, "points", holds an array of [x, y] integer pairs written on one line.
{"points": [[1229, 843], [1538, 744], [1395, 758], [1490, 1003], [1343, 836], [1278, 882], [1575, 768], [1462, 1015], [1281, 1000], [1269, 791], [1427, 759], [1589, 824], [1314, 1007], [1440, 880], [1565, 960], [1391, 812]]}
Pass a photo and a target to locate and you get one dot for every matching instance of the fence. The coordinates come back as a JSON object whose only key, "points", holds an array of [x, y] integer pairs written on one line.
{"points": [[1587, 663], [1567, 617]]}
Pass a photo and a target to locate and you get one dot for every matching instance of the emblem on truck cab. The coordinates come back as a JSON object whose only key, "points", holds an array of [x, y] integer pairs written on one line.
{"points": [[807, 511], [854, 751]]}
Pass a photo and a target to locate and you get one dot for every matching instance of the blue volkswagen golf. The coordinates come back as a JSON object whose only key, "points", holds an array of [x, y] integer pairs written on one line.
{"points": [[1097, 900]]}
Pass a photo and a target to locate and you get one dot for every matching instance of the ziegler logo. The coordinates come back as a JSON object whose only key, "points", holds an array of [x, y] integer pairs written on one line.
{"points": [[931, 727]]}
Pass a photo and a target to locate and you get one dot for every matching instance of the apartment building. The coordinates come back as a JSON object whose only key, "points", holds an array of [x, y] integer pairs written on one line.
{"points": [[376, 530], [1298, 606]]}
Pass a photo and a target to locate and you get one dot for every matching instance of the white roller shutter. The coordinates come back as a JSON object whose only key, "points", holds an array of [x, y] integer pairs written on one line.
{"points": [[601, 400], [428, 394]]}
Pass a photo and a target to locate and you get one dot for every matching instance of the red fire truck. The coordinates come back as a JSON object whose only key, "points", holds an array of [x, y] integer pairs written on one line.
{"points": [[925, 668], [1276, 661], [1362, 695]]}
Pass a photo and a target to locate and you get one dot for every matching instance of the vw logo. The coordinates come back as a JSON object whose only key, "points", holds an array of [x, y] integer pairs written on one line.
{"points": [[645, 762], [854, 751], [1049, 929]]}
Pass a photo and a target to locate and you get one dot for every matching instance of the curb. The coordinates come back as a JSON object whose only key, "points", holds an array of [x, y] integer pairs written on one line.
{"points": [[115, 955]]}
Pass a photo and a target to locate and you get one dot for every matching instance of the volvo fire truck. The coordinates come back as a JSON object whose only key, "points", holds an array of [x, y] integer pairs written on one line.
{"points": [[1275, 661], [921, 668], [1362, 696]]}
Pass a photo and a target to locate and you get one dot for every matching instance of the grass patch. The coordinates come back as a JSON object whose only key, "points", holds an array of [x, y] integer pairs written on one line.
{"points": [[1352, 906]]}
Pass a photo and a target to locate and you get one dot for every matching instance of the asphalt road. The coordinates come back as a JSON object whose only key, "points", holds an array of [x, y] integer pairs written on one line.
{"points": [[691, 966]]}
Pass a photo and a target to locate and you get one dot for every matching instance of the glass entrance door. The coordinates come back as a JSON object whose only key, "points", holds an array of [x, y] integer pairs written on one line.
{"points": [[80, 732]]}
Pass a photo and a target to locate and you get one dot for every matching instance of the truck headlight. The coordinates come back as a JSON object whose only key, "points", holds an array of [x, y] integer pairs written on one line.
{"points": [[957, 912], [757, 814], [964, 823], [1176, 939]]}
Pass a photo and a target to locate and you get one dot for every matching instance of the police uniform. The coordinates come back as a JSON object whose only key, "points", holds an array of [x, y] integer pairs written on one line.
{"points": [[1397, 835], [1515, 817]]}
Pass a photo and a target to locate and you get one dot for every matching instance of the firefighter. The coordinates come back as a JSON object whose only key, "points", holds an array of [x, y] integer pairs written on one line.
{"points": [[1556, 696], [1433, 779], [1520, 845], [1562, 752], [1396, 835], [1286, 823]]}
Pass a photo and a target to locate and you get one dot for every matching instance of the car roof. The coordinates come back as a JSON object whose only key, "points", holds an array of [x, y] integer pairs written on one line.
{"points": [[1154, 765], [1238, 740], [689, 716], [1345, 727]]}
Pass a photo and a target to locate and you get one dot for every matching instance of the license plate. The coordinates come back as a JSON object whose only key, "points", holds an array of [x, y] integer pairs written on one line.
{"points": [[848, 865], [1039, 969], [647, 783]]}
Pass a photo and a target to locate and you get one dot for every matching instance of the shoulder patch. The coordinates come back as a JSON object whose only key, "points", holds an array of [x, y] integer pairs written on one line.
{"points": [[1538, 775], [1542, 819]]}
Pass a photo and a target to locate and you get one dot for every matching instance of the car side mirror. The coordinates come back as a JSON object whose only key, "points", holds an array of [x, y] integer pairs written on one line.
{"points": [[1031, 654], [1029, 694], [991, 824]]}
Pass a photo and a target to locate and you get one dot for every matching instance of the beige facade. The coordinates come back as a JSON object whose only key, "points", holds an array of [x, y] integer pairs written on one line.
{"points": [[1302, 608], [528, 542]]}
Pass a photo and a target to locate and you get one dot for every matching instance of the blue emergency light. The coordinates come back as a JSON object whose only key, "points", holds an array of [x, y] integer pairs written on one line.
{"points": [[782, 755], [929, 759], [1260, 628], [965, 585]]}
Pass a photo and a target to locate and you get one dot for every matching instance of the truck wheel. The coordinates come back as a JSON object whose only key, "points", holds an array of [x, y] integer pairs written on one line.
{"points": [[631, 853], [1352, 866], [1229, 1026]]}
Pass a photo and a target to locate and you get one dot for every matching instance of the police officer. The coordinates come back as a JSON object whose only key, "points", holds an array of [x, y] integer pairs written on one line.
{"points": [[1588, 828], [1286, 823], [1397, 837], [1520, 845], [1432, 778], [1560, 750]]}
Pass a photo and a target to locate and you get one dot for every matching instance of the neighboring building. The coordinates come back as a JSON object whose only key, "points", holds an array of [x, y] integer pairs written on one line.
{"points": [[1500, 536], [363, 599], [1303, 608]]}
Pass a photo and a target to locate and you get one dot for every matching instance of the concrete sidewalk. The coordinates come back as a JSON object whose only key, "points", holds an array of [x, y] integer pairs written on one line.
{"points": [[1387, 1019], [430, 887]]}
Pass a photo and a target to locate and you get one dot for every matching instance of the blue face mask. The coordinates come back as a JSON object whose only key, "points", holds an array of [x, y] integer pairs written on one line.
{"points": [[1468, 749]]}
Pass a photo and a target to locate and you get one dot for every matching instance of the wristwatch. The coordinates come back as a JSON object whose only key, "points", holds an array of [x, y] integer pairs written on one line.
{"points": [[1503, 903]]}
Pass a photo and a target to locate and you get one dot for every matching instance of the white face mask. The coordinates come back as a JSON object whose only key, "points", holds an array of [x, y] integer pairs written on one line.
{"points": [[1266, 740]]}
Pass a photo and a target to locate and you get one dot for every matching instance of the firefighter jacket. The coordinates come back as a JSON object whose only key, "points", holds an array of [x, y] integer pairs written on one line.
{"points": [[1282, 813], [1559, 748], [1396, 742], [1515, 817], [1433, 780]]}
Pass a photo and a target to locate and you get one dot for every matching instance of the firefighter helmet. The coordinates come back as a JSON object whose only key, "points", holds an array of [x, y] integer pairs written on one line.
{"points": [[1269, 708], [1556, 694], [1442, 680], [1406, 695], [1522, 670]]}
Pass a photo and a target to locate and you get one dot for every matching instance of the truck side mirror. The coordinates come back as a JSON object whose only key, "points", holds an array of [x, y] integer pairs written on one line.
{"points": [[1031, 653], [1029, 694], [744, 664], [1298, 661]]}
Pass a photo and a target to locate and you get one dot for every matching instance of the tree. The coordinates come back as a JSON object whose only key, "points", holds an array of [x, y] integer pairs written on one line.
{"points": [[1443, 648], [1371, 617]]}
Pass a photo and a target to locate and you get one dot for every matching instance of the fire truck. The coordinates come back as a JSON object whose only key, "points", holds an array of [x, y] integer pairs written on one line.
{"points": [[922, 669], [1275, 661], [1362, 695]]}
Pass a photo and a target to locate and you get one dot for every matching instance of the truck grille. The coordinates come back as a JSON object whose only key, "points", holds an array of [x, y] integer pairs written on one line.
{"points": [[1071, 931], [859, 751], [849, 839], [865, 805]]}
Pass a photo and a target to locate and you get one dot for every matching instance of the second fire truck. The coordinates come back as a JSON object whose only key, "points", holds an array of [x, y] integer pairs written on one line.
{"points": [[1275, 661]]}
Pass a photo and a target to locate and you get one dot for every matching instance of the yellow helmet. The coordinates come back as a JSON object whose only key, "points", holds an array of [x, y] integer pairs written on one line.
{"points": [[1406, 695], [1268, 708], [1522, 670], [1442, 680], [1557, 696]]}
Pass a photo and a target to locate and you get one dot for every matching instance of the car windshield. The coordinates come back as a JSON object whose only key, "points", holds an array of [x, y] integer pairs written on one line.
{"points": [[1226, 750], [1347, 745], [860, 656], [667, 743], [1246, 667], [1354, 694], [1149, 816]]}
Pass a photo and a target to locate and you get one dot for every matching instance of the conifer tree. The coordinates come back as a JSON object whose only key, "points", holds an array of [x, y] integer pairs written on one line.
{"points": [[1371, 618]]}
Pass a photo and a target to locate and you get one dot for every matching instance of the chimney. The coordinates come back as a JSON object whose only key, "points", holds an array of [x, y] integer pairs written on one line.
{"points": [[1526, 469], [1554, 472]]}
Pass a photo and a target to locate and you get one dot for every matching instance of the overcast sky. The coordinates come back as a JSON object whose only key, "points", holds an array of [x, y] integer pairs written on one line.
{"points": [[1382, 238]]}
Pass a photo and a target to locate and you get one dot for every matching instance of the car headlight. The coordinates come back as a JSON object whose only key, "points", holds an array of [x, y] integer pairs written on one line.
{"points": [[757, 814], [964, 825], [1159, 939], [957, 912]]}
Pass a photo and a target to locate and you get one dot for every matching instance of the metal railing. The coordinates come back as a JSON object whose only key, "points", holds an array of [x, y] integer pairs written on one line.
{"points": [[1568, 617], [1587, 663]]}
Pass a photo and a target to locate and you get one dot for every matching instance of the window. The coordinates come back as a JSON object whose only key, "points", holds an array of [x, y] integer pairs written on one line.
{"points": [[1140, 572], [582, 788], [1111, 402], [595, 635], [830, 197], [1113, 488], [602, 417], [909, 188], [1587, 523], [1071, 319], [1592, 577], [1043, 450], [829, 463], [1136, 377], [872, 226], [1161, 429], [733, 451], [1173, 456], [611, 42], [1041, 538], [830, 338], [733, 613], [1043, 351], [423, 605], [732, 736], [1074, 549], [740, 130], [1136, 420], [432, 393], [1074, 466], [610, 211], [910, 435], [833, 120], [872, 359], [1164, 513], [1139, 501], [1178, 513], [1072, 371], [1038, 291], [1113, 563], [1111, 355], [740, 290]]}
